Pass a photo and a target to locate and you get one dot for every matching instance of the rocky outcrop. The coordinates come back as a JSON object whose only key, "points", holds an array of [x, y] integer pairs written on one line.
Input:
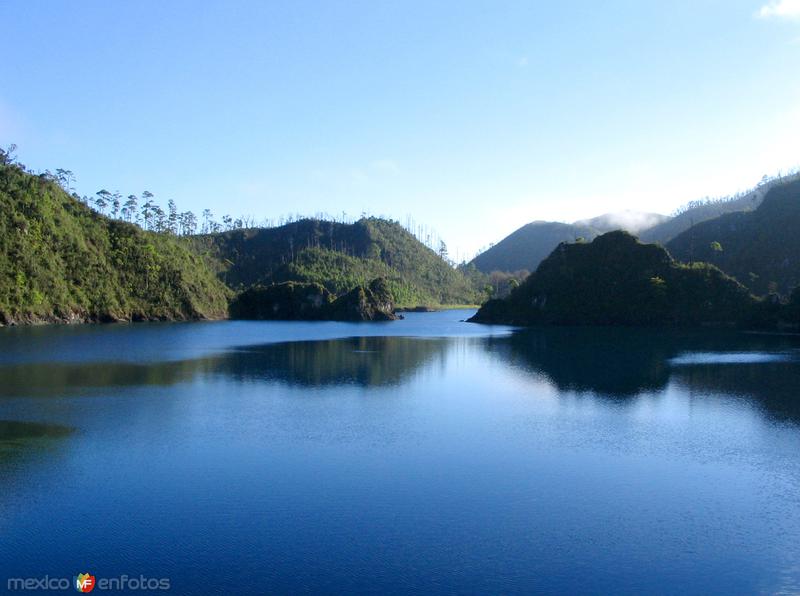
{"points": [[288, 301], [370, 303], [293, 301]]}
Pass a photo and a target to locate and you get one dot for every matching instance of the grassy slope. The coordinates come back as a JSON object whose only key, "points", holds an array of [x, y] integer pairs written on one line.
{"points": [[59, 260]]}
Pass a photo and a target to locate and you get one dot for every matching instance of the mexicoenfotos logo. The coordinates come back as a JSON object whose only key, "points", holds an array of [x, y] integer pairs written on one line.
{"points": [[84, 582]]}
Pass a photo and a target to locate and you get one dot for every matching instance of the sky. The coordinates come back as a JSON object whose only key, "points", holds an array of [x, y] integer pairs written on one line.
{"points": [[472, 117]]}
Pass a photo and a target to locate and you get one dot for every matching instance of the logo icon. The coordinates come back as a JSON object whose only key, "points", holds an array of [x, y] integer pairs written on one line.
{"points": [[84, 582]]}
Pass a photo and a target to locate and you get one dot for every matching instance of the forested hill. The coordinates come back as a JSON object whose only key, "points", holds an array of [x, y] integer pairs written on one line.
{"points": [[339, 256], [760, 248], [615, 280], [62, 261]]}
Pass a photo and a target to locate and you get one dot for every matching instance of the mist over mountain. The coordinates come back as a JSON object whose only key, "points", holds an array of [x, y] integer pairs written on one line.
{"points": [[628, 220], [528, 246]]}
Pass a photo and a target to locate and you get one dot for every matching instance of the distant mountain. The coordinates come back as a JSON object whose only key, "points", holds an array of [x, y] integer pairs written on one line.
{"points": [[761, 248], [616, 280], [61, 261], [340, 257], [530, 244]]}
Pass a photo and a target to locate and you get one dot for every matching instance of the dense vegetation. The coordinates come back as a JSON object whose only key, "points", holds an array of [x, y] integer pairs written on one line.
{"points": [[338, 256], [760, 248], [70, 258], [615, 280], [62, 261]]}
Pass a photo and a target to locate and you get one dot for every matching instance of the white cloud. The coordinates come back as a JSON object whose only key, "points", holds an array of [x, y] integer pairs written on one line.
{"points": [[789, 9]]}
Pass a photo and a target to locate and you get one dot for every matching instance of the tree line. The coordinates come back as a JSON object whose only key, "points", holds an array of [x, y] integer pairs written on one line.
{"points": [[144, 211]]}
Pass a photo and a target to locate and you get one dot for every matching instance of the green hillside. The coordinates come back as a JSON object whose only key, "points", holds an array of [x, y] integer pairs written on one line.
{"points": [[615, 280], [338, 256], [760, 248], [61, 261]]}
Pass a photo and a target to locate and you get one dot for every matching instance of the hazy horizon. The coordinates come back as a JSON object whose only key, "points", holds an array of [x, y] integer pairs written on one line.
{"points": [[474, 119]]}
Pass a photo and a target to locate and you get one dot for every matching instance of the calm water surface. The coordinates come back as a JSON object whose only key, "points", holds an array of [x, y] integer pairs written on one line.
{"points": [[425, 455]]}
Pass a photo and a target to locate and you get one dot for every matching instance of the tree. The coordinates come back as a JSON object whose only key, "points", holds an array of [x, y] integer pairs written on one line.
{"points": [[172, 218], [148, 209], [7, 155], [443, 250], [116, 199], [189, 223], [207, 220], [102, 200], [160, 219], [65, 179], [716, 246], [130, 208]]}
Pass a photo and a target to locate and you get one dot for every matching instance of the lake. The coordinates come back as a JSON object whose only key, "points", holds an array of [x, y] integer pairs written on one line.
{"points": [[424, 455]]}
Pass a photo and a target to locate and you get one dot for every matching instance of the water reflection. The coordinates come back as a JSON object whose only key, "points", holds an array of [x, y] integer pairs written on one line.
{"points": [[623, 363], [771, 386], [612, 362], [364, 361], [16, 436]]}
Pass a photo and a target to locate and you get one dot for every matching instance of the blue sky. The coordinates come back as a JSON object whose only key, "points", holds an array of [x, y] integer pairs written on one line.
{"points": [[474, 117]]}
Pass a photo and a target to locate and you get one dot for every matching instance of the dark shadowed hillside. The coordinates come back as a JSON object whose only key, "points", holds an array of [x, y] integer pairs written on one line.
{"points": [[697, 212], [61, 261], [616, 280], [760, 248]]}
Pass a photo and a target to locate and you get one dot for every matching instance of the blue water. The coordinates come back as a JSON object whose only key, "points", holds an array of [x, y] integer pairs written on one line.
{"points": [[425, 455]]}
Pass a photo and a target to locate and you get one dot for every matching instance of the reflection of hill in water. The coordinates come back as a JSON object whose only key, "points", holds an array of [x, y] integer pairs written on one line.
{"points": [[619, 363], [16, 436], [366, 361], [774, 387], [614, 362]]}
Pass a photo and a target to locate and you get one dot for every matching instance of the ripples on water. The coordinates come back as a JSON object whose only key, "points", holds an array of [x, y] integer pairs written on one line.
{"points": [[424, 455]]}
